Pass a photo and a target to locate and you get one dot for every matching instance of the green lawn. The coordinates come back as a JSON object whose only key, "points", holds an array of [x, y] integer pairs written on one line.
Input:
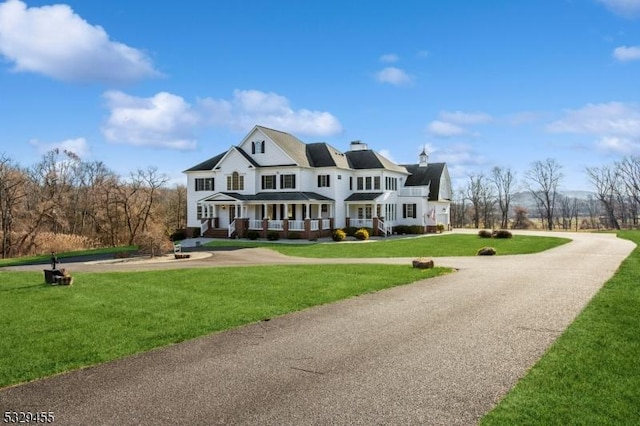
{"points": [[591, 375], [436, 246], [50, 329]]}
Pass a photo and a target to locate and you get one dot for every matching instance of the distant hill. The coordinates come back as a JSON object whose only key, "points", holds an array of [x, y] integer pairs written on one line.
{"points": [[526, 200]]}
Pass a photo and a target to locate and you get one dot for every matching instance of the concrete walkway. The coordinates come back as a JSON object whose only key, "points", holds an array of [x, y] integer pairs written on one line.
{"points": [[440, 351]]}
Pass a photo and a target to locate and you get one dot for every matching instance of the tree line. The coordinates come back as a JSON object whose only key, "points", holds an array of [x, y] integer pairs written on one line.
{"points": [[64, 203], [487, 200]]}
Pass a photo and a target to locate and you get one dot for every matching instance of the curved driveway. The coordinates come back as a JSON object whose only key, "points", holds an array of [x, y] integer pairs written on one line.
{"points": [[440, 351]]}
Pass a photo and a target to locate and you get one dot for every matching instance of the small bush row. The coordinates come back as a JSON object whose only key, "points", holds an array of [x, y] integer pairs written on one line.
{"points": [[408, 229], [500, 233]]}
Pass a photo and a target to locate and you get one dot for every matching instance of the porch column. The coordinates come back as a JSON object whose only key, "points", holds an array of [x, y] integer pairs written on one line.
{"points": [[285, 211], [266, 210], [374, 214], [308, 211]]}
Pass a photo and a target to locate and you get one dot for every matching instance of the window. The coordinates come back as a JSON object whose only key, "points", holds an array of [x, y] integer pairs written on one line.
{"points": [[257, 147], [199, 211], [376, 183], [360, 185], [391, 184], [323, 181], [367, 183], [324, 208], [409, 210], [235, 182], [204, 184], [269, 182], [367, 212], [287, 181]]}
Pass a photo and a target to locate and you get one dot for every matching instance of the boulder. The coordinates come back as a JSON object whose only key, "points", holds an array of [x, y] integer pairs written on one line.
{"points": [[423, 263]]}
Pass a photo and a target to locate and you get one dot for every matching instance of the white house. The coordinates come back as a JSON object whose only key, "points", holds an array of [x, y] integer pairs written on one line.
{"points": [[272, 181]]}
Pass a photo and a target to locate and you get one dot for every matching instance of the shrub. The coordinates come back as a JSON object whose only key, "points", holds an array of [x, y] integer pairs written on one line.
{"points": [[46, 242], [253, 235], [294, 235], [408, 229], [153, 243], [339, 235], [440, 227], [486, 251], [273, 236], [502, 233], [178, 235], [350, 231], [362, 234], [483, 233]]}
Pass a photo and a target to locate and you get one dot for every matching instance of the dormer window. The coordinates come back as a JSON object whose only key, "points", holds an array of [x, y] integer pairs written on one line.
{"points": [[257, 147]]}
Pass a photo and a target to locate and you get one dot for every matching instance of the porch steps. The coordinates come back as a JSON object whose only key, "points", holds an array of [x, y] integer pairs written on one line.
{"points": [[216, 233]]}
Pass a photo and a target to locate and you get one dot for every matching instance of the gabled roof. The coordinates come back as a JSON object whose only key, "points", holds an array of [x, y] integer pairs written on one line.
{"points": [[368, 159], [423, 176], [294, 147], [321, 154]]}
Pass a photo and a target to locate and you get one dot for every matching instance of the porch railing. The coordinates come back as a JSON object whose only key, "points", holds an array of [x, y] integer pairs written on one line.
{"points": [[276, 225], [232, 228], [361, 223], [384, 228], [314, 225], [204, 227], [255, 224], [296, 225], [326, 224]]}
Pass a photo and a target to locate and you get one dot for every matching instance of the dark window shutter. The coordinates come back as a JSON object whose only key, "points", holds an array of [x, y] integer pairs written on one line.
{"points": [[414, 210], [253, 147], [404, 211], [281, 181], [328, 180], [319, 179]]}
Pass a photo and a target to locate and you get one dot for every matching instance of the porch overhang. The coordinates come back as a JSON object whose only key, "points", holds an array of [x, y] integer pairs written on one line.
{"points": [[267, 197]]}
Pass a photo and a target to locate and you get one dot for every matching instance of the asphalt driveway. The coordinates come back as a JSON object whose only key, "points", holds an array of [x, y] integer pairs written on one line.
{"points": [[440, 351]]}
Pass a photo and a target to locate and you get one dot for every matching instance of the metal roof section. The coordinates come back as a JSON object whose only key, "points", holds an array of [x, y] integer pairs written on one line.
{"points": [[368, 159], [423, 176], [321, 154], [364, 196], [266, 197], [207, 165]]}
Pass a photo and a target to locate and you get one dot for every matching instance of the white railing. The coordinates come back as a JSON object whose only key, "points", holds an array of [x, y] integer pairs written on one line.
{"points": [[326, 223], [232, 228], [275, 225], [204, 227], [296, 225], [255, 224], [414, 192], [314, 225], [361, 223], [384, 228]]}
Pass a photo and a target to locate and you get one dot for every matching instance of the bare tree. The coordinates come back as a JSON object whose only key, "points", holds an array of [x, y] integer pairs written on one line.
{"points": [[12, 184], [474, 193], [543, 179], [504, 181], [605, 179]]}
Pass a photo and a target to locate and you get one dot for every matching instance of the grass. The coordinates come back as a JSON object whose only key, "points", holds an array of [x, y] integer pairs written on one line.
{"points": [[433, 246], [591, 375], [105, 316]]}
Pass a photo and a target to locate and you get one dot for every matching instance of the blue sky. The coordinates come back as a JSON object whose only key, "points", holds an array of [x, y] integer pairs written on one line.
{"points": [[169, 84]]}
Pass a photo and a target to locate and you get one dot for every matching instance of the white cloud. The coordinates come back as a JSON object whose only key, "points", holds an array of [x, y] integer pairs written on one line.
{"points": [[626, 8], [616, 125], [444, 129], [465, 118], [454, 123], [627, 53], [389, 57], [394, 76], [56, 42], [164, 120], [78, 146], [250, 107]]}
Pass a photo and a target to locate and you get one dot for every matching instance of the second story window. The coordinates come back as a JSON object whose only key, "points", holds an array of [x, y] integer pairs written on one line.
{"points": [[360, 183], [269, 182], [235, 182], [204, 184], [323, 181], [376, 183], [287, 181]]}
